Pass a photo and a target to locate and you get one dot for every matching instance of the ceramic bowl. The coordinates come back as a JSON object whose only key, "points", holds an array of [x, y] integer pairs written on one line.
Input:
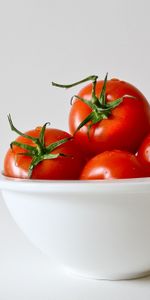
{"points": [[96, 229]]}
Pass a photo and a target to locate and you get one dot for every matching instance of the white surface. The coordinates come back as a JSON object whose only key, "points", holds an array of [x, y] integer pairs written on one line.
{"points": [[63, 41], [93, 229]]}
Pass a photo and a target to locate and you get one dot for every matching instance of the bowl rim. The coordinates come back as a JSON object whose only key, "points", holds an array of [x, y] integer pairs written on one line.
{"points": [[32, 185]]}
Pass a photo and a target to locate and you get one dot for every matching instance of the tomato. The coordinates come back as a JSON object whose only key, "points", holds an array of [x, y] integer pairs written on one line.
{"points": [[122, 127], [64, 161], [114, 164], [143, 154]]}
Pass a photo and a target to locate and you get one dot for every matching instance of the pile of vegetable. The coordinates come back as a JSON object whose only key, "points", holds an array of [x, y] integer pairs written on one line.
{"points": [[109, 124]]}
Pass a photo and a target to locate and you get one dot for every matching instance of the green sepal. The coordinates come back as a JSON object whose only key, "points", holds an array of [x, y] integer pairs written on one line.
{"points": [[113, 104], [100, 108], [102, 98], [40, 152], [13, 128], [54, 145], [84, 122], [87, 102], [38, 159], [41, 137], [24, 146]]}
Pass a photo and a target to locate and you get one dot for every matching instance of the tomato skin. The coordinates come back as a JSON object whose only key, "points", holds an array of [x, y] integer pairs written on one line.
{"points": [[114, 164], [124, 129], [59, 168], [143, 154]]}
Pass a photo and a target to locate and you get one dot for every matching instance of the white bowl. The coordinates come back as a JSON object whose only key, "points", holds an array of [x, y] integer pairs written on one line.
{"points": [[96, 229]]}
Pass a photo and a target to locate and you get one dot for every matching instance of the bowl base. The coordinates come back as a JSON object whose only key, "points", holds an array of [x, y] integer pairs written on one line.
{"points": [[108, 277]]}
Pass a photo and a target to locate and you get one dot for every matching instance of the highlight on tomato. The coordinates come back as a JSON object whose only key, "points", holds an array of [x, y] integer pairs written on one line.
{"points": [[107, 115], [116, 164], [43, 153], [143, 154]]}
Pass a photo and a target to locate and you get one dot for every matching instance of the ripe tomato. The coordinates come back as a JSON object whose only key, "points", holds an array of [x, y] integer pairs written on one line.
{"points": [[62, 161], [143, 154], [114, 164], [123, 127]]}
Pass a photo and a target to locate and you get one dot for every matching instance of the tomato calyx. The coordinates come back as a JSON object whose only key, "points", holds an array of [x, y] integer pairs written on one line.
{"points": [[100, 109], [39, 152]]}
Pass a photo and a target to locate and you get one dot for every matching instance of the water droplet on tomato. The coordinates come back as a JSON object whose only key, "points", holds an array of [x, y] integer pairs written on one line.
{"points": [[147, 154]]}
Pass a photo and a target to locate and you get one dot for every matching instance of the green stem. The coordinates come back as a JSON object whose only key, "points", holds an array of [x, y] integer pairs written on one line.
{"points": [[67, 86]]}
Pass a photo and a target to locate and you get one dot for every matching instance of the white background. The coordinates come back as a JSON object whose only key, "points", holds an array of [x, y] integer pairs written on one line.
{"points": [[62, 41]]}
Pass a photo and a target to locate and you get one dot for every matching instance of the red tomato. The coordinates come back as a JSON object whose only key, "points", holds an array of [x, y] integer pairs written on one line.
{"points": [[66, 166], [114, 164], [123, 128], [143, 154]]}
